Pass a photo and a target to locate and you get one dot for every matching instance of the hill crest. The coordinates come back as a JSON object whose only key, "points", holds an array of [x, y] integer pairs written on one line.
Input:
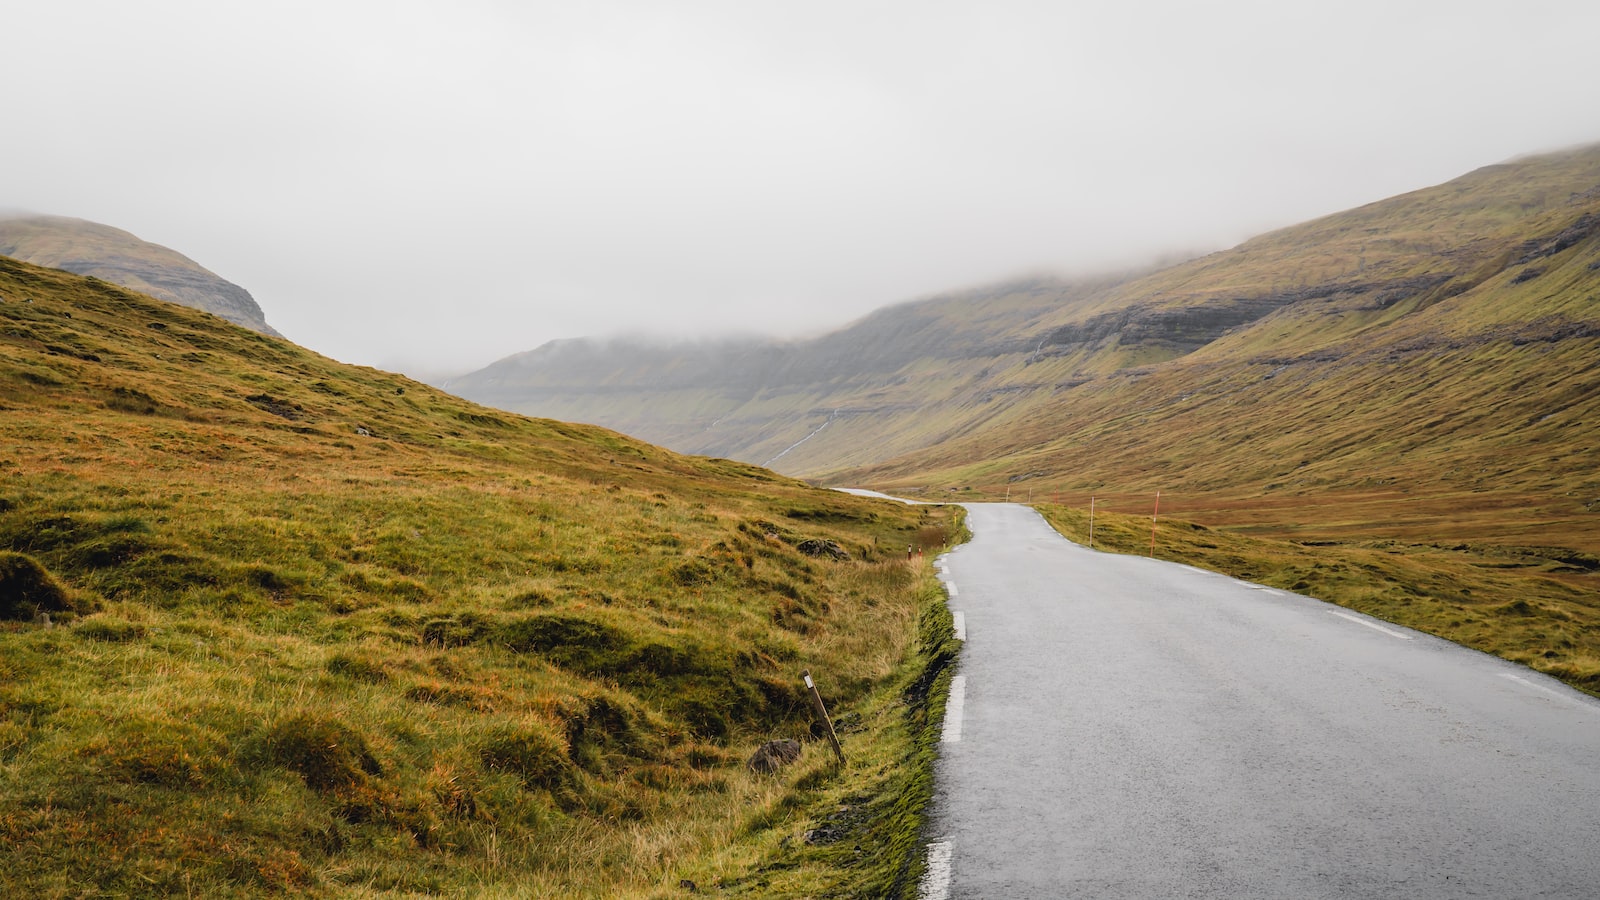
{"points": [[111, 254]]}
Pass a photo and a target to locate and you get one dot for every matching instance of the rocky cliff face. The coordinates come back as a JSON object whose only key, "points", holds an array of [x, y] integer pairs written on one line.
{"points": [[114, 255]]}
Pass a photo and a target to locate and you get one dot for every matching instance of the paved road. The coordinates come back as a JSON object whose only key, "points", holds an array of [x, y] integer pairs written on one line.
{"points": [[1135, 728]]}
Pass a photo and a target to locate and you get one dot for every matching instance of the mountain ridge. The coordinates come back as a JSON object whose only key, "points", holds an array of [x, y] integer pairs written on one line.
{"points": [[1481, 269], [120, 257]]}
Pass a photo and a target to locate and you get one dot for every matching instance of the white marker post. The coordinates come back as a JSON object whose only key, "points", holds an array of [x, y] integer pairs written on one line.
{"points": [[822, 715], [1153, 516], [1091, 522]]}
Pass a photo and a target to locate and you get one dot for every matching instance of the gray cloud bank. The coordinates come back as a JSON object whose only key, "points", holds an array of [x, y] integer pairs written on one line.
{"points": [[432, 186]]}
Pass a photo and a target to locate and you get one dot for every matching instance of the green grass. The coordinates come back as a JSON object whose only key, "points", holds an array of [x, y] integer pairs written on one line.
{"points": [[321, 630]]}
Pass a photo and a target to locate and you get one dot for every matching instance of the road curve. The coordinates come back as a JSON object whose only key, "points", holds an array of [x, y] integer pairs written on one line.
{"points": [[1136, 728]]}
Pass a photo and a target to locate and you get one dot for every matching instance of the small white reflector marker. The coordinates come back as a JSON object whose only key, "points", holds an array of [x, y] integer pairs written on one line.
{"points": [[809, 683]]}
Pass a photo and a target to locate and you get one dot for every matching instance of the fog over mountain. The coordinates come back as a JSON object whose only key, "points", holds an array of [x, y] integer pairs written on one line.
{"points": [[435, 187]]}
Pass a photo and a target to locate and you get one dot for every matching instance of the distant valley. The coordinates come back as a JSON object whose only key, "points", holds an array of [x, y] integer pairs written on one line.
{"points": [[1418, 367]]}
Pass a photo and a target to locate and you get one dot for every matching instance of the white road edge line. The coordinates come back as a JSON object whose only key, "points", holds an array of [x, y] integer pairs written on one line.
{"points": [[1374, 626], [950, 588], [1539, 687], [960, 625], [953, 710], [935, 884]]}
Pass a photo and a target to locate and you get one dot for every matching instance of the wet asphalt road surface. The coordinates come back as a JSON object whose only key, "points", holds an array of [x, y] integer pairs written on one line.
{"points": [[1136, 728]]}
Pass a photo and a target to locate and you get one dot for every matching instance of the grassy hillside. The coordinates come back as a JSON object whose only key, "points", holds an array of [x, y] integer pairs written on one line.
{"points": [[114, 255], [1447, 400], [272, 624], [952, 382], [1414, 440], [1414, 383]]}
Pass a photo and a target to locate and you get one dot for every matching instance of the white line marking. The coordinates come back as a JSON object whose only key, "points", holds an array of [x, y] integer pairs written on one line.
{"points": [[1266, 590], [1539, 687], [950, 588], [960, 625], [935, 884], [953, 709], [1374, 626]]}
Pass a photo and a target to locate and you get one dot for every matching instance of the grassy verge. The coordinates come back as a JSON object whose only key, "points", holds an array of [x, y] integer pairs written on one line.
{"points": [[854, 831], [1528, 605]]}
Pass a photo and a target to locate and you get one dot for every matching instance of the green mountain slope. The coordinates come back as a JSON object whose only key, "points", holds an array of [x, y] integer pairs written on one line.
{"points": [[1431, 372], [1437, 343], [752, 399], [274, 624], [110, 254]]}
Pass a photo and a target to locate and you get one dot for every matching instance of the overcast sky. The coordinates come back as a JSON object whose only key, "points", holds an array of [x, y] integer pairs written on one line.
{"points": [[430, 186]]}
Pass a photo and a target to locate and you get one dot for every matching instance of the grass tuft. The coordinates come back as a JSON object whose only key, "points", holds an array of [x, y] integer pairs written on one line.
{"points": [[28, 590], [328, 754]]}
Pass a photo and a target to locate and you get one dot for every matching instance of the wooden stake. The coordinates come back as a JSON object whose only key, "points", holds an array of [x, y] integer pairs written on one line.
{"points": [[822, 715]]}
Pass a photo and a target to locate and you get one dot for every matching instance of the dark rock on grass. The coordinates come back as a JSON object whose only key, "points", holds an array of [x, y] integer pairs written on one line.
{"points": [[773, 755], [28, 590], [281, 408], [822, 548]]}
